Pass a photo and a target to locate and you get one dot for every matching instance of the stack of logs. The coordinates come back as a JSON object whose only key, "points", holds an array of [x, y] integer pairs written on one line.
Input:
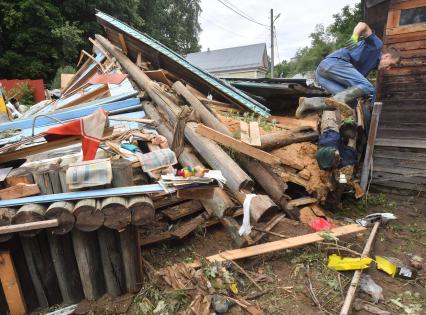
{"points": [[82, 249]]}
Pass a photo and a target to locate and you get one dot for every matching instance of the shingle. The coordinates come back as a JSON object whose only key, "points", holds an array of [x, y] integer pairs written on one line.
{"points": [[243, 57]]}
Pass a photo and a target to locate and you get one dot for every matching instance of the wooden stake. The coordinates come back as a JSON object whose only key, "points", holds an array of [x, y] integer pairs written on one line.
{"points": [[89, 264], [11, 286], [66, 269], [131, 259], [112, 264], [27, 214], [347, 304]]}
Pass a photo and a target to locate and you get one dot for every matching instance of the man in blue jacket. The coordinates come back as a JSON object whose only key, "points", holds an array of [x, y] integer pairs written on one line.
{"points": [[343, 73]]}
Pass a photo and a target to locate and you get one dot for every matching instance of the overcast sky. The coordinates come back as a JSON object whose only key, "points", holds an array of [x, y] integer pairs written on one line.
{"points": [[223, 28]]}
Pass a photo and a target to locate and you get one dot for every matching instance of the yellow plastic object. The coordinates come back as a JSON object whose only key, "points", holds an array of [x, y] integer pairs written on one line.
{"points": [[233, 287], [336, 262], [386, 266], [2, 104]]}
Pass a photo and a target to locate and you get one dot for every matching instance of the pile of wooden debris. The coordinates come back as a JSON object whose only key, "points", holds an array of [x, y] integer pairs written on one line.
{"points": [[138, 111]]}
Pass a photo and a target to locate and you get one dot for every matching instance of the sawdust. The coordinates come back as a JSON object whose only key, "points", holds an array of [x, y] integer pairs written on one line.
{"points": [[319, 181]]}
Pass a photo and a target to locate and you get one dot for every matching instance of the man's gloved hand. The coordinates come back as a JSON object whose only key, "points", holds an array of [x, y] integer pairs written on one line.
{"points": [[352, 42]]}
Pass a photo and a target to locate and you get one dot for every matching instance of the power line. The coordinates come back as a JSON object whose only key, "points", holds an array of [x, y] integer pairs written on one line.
{"points": [[241, 13], [222, 27]]}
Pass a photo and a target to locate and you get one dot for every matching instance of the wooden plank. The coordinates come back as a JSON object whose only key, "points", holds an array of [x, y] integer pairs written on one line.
{"points": [[408, 4], [182, 210], [393, 18], [302, 201], [122, 43], [403, 143], [405, 70], [402, 38], [19, 191], [244, 132], [11, 286], [197, 193], [406, 29], [244, 148], [254, 133], [189, 227], [281, 244]]}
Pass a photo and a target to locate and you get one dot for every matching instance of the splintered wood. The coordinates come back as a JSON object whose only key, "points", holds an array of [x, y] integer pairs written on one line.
{"points": [[250, 133], [312, 179]]}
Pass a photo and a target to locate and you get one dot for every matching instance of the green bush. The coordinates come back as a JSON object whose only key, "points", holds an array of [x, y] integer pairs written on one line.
{"points": [[23, 93], [56, 82]]}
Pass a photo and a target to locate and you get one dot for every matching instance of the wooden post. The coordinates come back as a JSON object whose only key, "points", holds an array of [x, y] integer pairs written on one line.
{"points": [[89, 264], [117, 215], [112, 264], [370, 144], [29, 213], [122, 173], [43, 276], [66, 269], [206, 116], [88, 215], [142, 210], [6, 215], [237, 179], [130, 254], [274, 140], [63, 211], [347, 304], [261, 206], [11, 286]]}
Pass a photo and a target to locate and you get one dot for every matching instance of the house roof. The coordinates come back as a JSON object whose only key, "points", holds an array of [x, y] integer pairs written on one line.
{"points": [[242, 57]]}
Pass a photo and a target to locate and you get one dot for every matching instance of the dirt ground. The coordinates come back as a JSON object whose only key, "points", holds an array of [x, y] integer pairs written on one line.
{"points": [[293, 280]]}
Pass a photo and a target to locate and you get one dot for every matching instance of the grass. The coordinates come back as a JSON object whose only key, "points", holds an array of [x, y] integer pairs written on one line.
{"points": [[250, 117]]}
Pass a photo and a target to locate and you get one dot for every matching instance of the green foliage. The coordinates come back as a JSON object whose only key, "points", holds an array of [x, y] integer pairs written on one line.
{"points": [[40, 36], [174, 23], [23, 93], [56, 82], [324, 40]]}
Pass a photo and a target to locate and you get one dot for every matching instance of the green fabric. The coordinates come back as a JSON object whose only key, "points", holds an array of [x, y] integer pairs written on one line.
{"points": [[325, 157]]}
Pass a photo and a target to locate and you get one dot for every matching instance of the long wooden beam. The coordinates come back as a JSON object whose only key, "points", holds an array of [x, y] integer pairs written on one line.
{"points": [[14, 228], [281, 244]]}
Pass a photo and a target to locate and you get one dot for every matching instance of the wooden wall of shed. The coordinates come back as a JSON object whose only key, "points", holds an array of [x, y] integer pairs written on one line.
{"points": [[400, 152]]}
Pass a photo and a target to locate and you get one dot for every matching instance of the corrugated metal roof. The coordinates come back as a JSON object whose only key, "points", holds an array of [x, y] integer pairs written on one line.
{"points": [[242, 57]]}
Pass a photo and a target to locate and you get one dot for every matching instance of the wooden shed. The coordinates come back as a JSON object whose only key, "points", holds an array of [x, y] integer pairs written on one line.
{"points": [[400, 150]]}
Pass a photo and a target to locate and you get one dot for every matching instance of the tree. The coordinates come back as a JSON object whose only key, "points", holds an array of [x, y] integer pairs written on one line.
{"points": [[323, 42], [38, 37], [173, 22]]}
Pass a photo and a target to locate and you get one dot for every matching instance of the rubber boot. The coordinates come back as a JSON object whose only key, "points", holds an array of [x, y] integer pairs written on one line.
{"points": [[341, 100], [311, 103]]}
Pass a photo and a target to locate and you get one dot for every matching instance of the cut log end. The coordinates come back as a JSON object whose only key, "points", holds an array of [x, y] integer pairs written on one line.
{"points": [[142, 210], [88, 219], [63, 212], [6, 216], [117, 215], [27, 217]]}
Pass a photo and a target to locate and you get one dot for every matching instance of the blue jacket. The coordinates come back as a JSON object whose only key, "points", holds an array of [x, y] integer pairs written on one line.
{"points": [[364, 57]]}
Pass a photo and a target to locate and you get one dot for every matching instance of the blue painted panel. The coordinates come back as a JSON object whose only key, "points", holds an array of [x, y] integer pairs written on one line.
{"points": [[86, 194], [69, 114]]}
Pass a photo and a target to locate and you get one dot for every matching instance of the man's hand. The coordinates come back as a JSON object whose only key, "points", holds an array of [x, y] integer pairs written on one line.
{"points": [[360, 30]]}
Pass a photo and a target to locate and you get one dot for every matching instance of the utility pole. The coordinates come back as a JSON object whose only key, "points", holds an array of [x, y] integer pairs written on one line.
{"points": [[272, 43], [272, 40]]}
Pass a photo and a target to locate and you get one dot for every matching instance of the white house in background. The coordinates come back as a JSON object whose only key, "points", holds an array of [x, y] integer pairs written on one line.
{"points": [[249, 61]]}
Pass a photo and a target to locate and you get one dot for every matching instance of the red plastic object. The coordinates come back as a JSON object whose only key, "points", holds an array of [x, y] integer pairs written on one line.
{"points": [[321, 224]]}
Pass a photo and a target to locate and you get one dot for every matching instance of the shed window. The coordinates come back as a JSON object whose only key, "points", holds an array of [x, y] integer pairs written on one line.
{"points": [[413, 16]]}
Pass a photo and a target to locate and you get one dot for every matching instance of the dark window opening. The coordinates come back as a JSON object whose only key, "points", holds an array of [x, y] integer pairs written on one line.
{"points": [[413, 16]]}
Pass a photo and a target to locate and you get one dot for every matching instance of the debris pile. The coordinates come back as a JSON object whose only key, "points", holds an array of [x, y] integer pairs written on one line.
{"points": [[142, 147]]}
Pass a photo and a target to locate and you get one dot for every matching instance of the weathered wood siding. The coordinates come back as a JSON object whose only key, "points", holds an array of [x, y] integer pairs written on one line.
{"points": [[400, 152]]}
